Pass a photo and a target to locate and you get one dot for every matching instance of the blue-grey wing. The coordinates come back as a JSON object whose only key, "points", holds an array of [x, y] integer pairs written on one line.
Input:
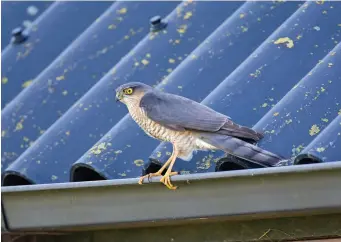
{"points": [[180, 113]]}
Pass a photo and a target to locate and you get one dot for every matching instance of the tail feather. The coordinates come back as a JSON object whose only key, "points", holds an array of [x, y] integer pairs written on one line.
{"points": [[242, 132], [241, 149]]}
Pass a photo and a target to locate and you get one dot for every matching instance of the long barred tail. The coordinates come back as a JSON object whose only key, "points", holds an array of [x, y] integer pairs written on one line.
{"points": [[241, 149]]}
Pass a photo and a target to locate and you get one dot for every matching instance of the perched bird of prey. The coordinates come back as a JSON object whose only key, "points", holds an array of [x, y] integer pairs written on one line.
{"points": [[189, 126]]}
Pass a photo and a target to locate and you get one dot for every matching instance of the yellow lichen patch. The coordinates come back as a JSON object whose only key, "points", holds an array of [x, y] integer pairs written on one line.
{"points": [[145, 62], [182, 29], [3, 133], [244, 29], [339, 113], [330, 64], [148, 55], [136, 64], [4, 80], [59, 78], [67, 133], [177, 41], [325, 120], [286, 40], [26, 139], [242, 15], [298, 37], [158, 154], [194, 57], [264, 105], [38, 162], [169, 70], [122, 174], [19, 125], [97, 149], [126, 37], [112, 26], [332, 53], [168, 153], [138, 162], [188, 15], [276, 114], [171, 61], [314, 130], [288, 121], [53, 177], [320, 2], [320, 149], [64, 92], [122, 11], [118, 152], [180, 87], [26, 83]]}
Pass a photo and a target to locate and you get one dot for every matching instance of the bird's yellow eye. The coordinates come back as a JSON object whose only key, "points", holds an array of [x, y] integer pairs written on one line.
{"points": [[128, 91]]}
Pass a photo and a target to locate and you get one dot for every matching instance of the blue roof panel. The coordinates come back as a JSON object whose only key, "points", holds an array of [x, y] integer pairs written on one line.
{"points": [[19, 14], [48, 36], [270, 65], [75, 71], [148, 61], [195, 78]]}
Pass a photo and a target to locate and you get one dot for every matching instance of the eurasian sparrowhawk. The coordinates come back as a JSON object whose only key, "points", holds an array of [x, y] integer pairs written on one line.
{"points": [[189, 126]]}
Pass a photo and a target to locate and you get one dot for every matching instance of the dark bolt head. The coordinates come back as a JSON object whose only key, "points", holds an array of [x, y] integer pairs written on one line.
{"points": [[17, 31], [155, 20], [157, 23], [19, 35]]}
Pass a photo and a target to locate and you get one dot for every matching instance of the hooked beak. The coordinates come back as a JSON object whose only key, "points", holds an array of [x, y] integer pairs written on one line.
{"points": [[118, 96]]}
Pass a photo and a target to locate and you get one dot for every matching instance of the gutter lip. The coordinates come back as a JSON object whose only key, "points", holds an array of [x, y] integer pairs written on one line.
{"points": [[179, 178]]}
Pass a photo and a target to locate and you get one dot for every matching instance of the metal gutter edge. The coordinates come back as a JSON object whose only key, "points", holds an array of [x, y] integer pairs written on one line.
{"points": [[244, 194]]}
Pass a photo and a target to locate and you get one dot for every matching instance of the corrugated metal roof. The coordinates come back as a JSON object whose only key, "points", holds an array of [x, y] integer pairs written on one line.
{"points": [[270, 65]]}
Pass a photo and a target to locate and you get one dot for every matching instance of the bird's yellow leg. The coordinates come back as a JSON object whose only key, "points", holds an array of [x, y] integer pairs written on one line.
{"points": [[159, 172], [166, 178]]}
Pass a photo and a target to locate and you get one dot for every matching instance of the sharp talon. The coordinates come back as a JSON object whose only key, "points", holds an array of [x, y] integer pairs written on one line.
{"points": [[148, 176], [166, 180]]}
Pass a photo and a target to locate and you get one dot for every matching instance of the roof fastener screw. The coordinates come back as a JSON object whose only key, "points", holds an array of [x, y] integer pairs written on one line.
{"points": [[157, 24], [19, 35]]}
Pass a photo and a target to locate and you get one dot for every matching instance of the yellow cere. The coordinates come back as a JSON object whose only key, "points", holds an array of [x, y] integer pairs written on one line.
{"points": [[4, 80], [27, 83], [314, 130], [286, 40], [138, 162]]}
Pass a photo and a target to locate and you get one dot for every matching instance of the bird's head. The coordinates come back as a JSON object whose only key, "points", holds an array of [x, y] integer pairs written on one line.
{"points": [[131, 92]]}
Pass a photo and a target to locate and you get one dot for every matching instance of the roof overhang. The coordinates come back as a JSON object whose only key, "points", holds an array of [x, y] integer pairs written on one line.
{"points": [[244, 194]]}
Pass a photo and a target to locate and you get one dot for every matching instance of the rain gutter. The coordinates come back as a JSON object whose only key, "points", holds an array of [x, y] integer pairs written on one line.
{"points": [[245, 194]]}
